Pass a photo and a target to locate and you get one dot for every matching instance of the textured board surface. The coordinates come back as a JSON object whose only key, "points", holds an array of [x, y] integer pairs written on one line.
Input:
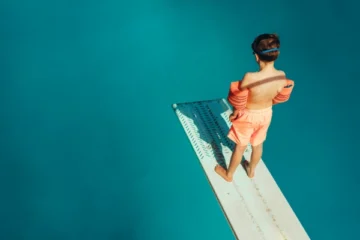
{"points": [[255, 208]]}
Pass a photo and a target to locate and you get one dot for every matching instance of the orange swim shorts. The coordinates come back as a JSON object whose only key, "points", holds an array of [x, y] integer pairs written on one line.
{"points": [[251, 126]]}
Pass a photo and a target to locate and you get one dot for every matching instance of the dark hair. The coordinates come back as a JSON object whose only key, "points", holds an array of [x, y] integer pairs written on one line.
{"points": [[265, 42]]}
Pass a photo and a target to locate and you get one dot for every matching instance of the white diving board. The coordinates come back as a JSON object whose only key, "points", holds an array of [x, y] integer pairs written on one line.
{"points": [[255, 208]]}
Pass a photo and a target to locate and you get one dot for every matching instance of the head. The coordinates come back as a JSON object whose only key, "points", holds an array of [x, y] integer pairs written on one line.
{"points": [[266, 48]]}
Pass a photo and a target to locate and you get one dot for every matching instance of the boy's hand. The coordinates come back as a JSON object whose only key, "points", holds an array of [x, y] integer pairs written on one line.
{"points": [[233, 116]]}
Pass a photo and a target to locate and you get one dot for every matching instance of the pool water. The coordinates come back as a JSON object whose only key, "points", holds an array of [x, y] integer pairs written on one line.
{"points": [[91, 148]]}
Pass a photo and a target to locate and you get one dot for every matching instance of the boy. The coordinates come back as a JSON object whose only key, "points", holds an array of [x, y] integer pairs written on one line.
{"points": [[252, 99]]}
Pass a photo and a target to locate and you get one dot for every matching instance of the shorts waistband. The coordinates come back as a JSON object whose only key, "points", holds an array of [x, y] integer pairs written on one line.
{"points": [[264, 110]]}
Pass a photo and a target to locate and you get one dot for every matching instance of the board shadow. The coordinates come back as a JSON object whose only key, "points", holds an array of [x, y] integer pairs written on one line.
{"points": [[207, 116]]}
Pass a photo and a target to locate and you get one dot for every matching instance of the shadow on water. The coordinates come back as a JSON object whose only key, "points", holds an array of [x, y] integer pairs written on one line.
{"points": [[209, 120]]}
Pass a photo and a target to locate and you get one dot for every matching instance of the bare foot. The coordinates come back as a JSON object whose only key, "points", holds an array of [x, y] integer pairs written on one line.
{"points": [[222, 172], [250, 172]]}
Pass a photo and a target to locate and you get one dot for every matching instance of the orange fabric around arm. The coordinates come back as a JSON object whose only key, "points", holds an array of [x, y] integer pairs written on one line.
{"points": [[238, 98], [285, 93]]}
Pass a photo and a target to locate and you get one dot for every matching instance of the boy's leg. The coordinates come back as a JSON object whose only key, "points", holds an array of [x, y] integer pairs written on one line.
{"points": [[254, 160], [234, 163], [257, 141]]}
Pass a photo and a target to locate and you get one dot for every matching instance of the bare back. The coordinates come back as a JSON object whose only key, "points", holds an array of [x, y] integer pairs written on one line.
{"points": [[261, 96]]}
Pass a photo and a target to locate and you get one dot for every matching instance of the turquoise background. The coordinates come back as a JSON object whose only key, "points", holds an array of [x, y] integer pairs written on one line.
{"points": [[91, 149]]}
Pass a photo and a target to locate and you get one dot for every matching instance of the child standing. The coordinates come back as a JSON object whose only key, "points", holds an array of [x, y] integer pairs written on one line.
{"points": [[252, 99]]}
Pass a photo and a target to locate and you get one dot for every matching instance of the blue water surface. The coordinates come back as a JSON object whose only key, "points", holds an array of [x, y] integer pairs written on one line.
{"points": [[91, 149]]}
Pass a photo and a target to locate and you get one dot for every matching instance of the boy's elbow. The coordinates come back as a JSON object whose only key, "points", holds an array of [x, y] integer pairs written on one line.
{"points": [[277, 101]]}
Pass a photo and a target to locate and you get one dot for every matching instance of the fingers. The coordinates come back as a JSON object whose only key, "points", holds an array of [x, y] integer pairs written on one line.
{"points": [[235, 116], [232, 118]]}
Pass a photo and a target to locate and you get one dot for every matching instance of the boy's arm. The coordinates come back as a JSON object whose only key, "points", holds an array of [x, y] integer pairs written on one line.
{"points": [[284, 93], [238, 95]]}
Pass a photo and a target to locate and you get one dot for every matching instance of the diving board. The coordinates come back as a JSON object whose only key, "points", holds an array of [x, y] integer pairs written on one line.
{"points": [[255, 208]]}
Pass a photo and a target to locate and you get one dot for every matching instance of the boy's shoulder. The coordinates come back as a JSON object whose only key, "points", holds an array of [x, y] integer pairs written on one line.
{"points": [[248, 78]]}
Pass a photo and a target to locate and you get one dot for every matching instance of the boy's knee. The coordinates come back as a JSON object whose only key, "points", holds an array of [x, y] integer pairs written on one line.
{"points": [[240, 147], [257, 147]]}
